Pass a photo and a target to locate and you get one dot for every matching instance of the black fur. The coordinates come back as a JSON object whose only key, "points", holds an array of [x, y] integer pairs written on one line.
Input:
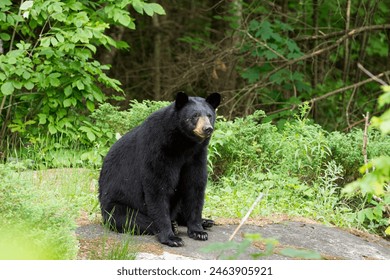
{"points": [[157, 172]]}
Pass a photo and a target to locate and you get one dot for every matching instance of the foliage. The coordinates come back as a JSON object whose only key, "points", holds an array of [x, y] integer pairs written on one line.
{"points": [[268, 55], [33, 225], [109, 120], [109, 123], [383, 122], [267, 41], [49, 74], [300, 168], [376, 180]]}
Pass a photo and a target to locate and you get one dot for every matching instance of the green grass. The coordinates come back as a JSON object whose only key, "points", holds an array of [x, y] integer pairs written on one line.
{"points": [[38, 211], [232, 196], [106, 248]]}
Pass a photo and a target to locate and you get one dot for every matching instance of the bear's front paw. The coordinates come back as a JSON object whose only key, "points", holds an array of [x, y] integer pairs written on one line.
{"points": [[207, 223], [198, 235], [172, 241]]}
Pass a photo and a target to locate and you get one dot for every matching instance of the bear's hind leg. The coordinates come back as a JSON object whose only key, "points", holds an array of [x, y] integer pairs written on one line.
{"points": [[122, 219]]}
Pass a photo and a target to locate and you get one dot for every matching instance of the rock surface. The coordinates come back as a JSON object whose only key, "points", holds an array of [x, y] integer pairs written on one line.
{"points": [[329, 242]]}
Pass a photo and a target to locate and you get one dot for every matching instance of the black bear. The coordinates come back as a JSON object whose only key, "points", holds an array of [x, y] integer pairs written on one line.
{"points": [[156, 174]]}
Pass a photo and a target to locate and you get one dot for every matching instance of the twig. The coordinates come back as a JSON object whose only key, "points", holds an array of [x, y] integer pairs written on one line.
{"points": [[365, 138], [353, 125], [258, 199], [375, 78], [338, 33], [304, 57], [16, 26], [346, 43], [349, 105], [326, 95], [266, 46]]}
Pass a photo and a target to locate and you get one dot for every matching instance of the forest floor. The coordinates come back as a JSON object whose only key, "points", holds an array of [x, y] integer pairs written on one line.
{"points": [[78, 187], [302, 234]]}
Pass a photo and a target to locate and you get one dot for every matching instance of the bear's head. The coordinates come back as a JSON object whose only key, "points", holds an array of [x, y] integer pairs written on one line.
{"points": [[197, 115]]}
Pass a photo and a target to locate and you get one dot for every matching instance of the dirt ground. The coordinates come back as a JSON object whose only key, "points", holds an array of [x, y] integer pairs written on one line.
{"points": [[300, 234]]}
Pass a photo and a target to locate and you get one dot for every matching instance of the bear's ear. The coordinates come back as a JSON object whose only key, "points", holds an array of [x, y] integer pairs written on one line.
{"points": [[214, 99], [181, 100]]}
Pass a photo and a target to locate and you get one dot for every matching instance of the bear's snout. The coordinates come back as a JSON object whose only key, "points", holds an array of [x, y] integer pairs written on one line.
{"points": [[203, 128], [208, 130]]}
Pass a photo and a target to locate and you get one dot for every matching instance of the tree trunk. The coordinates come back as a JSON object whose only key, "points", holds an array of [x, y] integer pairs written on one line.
{"points": [[346, 43], [224, 72], [388, 49], [157, 59], [314, 81], [108, 56]]}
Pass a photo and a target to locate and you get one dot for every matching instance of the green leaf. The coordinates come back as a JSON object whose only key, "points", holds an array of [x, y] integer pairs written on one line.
{"points": [[378, 212], [138, 6], [26, 5], [68, 91], [53, 41], [361, 217], [91, 136], [148, 10], [53, 79], [156, 8], [52, 129], [7, 88], [12, 60], [67, 102], [124, 20], [384, 98], [5, 36], [80, 85], [387, 231], [369, 213], [42, 118], [90, 105], [265, 31], [56, 7], [300, 254], [269, 55], [252, 74], [45, 42], [29, 85], [26, 75], [254, 25]]}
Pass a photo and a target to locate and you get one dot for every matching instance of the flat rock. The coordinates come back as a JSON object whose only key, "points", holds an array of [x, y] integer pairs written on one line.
{"points": [[329, 242]]}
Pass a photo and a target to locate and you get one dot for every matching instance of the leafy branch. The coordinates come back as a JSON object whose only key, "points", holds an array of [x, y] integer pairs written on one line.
{"points": [[334, 92], [336, 44]]}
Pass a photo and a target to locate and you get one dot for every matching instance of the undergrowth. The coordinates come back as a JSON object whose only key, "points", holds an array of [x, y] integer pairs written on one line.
{"points": [[300, 168], [34, 223]]}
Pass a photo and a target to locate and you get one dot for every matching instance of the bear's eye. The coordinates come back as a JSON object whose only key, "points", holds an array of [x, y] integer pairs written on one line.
{"points": [[209, 116], [194, 117]]}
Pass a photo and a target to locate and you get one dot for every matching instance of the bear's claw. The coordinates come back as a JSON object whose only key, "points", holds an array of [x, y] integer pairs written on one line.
{"points": [[198, 235], [173, 241]]}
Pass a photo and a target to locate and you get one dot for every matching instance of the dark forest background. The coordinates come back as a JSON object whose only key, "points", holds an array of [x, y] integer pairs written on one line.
{"points": [[269, 55], [61, 59]]}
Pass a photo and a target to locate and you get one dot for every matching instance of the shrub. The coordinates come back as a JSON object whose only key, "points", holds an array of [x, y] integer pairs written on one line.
{"points": [[49, 78]]}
